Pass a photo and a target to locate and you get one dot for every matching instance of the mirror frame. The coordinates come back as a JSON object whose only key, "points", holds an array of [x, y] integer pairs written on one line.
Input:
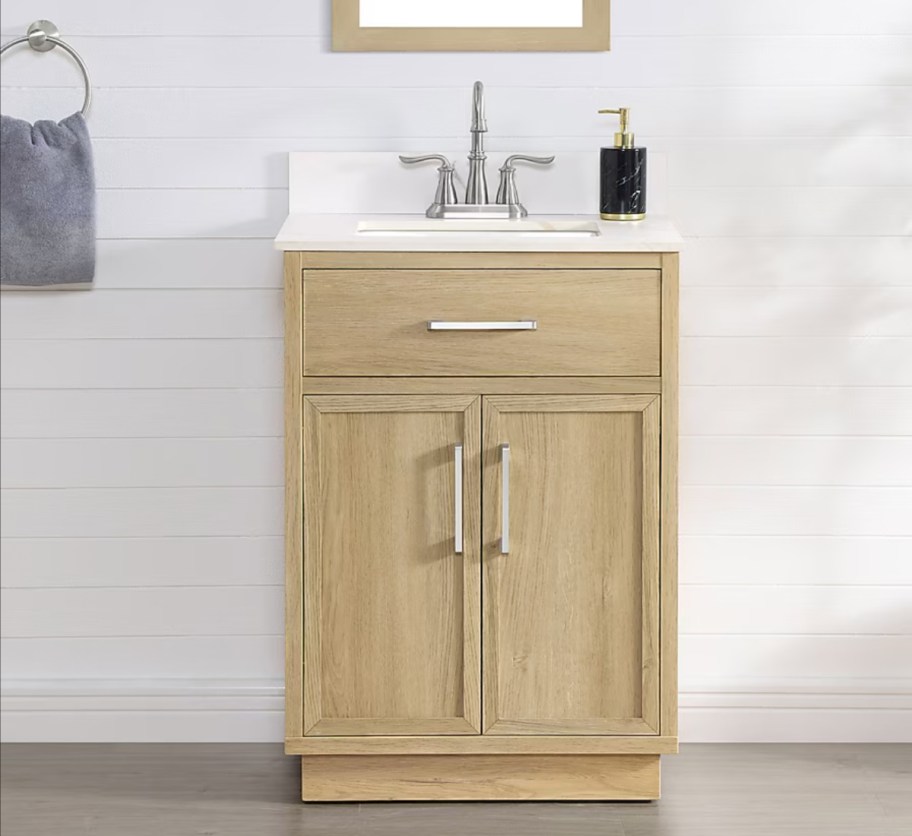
{"points": [[349, 36]]}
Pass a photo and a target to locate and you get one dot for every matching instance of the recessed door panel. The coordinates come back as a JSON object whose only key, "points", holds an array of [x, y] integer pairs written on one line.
{"points": [[571, 577], [391, 565]]}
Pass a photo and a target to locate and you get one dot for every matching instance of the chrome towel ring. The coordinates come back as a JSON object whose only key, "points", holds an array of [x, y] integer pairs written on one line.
{"points": [[43, 36]]}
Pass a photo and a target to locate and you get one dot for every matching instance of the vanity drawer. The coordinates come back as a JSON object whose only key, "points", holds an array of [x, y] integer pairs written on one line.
{"points": [[587, 322]]}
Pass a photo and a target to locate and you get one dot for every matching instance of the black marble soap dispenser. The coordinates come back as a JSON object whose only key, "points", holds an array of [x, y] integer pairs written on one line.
{"points": [[623, 175]]}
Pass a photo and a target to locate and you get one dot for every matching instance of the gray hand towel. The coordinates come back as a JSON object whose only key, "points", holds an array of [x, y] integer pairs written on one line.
{"points": [[47, 203]]}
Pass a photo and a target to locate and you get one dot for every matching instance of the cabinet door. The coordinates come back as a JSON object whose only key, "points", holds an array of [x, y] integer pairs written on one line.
{"points": [[391, 597], [571, 618]]}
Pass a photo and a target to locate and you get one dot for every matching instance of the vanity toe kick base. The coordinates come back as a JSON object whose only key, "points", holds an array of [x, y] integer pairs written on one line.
{"points": [[480, 778], [481, 533]]}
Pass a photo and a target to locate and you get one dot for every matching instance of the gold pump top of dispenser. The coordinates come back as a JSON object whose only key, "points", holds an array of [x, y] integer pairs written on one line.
{"points": [[623, 138]]}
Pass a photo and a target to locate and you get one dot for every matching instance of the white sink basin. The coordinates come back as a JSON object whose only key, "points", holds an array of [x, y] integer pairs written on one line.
{"points": [[426, 227]]}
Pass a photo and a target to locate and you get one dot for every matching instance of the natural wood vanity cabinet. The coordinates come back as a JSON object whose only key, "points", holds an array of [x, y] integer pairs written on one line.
{"points": [[481, 525]]}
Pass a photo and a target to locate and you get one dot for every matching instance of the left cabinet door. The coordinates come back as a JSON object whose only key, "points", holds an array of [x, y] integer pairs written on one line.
{"points": [[392, 581]]}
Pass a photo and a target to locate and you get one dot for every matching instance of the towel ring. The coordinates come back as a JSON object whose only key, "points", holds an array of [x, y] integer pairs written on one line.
{"points": [[43, 36]]}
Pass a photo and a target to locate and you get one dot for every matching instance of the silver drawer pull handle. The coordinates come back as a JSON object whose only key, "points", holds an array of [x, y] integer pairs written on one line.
{"points": [[520, 325], [458, 494], [505, 499]]}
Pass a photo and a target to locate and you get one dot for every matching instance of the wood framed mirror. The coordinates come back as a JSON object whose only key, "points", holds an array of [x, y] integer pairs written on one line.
{"points": [[470, 25]]}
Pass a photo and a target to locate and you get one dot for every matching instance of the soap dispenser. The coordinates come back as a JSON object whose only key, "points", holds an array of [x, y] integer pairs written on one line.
{"points": [[623, 175]]}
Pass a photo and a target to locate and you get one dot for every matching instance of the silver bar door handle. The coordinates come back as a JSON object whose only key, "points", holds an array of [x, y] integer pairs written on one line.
{"points": [[519, 325], [505, 499], [457, 515]]}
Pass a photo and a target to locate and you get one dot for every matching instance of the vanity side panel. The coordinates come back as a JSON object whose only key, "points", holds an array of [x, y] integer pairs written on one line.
{"points": [[669, 512], [294, 501]]}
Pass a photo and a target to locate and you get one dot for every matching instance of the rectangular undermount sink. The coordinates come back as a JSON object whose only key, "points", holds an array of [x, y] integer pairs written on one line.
{"points": [[425, 227]]}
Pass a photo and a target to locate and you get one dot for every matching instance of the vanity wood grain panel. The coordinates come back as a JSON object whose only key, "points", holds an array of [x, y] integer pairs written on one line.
{"points": [[374, 323], [484, 744], [482, 778], [574, 693], [391, 610], [571, 613]]}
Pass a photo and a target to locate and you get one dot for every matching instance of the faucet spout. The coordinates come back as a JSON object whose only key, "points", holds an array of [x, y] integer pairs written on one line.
{"points": [[477, 183], [479, 123]]}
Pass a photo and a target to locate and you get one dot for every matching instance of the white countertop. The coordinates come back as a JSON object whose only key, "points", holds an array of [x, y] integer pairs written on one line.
{"points": [[339, 232]]}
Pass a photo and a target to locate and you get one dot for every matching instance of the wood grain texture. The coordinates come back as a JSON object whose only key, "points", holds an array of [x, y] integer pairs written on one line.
{"points": [[483, 744], [669, 497], [294, 500], [374, 322], [571, 613], [349, 36], [480, 778], [392, 613], [386, 260], [481, 385]]}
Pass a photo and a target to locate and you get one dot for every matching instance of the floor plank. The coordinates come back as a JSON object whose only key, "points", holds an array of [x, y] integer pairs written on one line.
{"points": [[252, 790]]}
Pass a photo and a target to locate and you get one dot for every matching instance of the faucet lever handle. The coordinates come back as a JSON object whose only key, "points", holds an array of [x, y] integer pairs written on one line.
{"points": [[525, 158], [427, 158], [446, 188], [507, 193]]}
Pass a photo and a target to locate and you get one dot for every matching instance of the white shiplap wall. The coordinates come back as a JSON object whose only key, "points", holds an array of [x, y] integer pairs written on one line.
{"points": [[141, 422]]}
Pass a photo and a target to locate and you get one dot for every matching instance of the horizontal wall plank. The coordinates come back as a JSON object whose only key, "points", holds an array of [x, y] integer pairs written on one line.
{"points": [[235, 313], [206, 611], [834, 461], [784, 657], [796, 511], [143, 512], [141, 364], [193, 725], [801, 311], [799, 610], [138, 657], [793, 410], [798, 724], [199, 18], [191, 213], [796, 361], [797, 262], [135, 413], [650, 61], [827, 560], [809, 162], [141, 462], [644, 17], [259, 163], [137, 561], [179, 264], [409, 112], [773, 17], [786, 211]]}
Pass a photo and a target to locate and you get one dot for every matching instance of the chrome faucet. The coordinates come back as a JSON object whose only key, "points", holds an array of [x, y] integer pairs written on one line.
{"points": [[476, 204]]}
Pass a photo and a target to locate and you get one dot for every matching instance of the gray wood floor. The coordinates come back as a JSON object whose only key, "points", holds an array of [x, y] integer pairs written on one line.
{"points": [[251, 790]]}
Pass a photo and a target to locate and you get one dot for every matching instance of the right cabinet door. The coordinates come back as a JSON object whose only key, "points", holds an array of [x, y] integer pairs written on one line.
{"points": [[571, 564]]}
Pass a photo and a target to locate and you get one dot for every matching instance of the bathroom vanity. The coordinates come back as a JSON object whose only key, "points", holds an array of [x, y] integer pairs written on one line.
{"points": [[481, 507]]}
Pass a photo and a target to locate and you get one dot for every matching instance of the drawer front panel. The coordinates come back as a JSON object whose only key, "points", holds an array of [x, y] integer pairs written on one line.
{"points": [[485, 323]]}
